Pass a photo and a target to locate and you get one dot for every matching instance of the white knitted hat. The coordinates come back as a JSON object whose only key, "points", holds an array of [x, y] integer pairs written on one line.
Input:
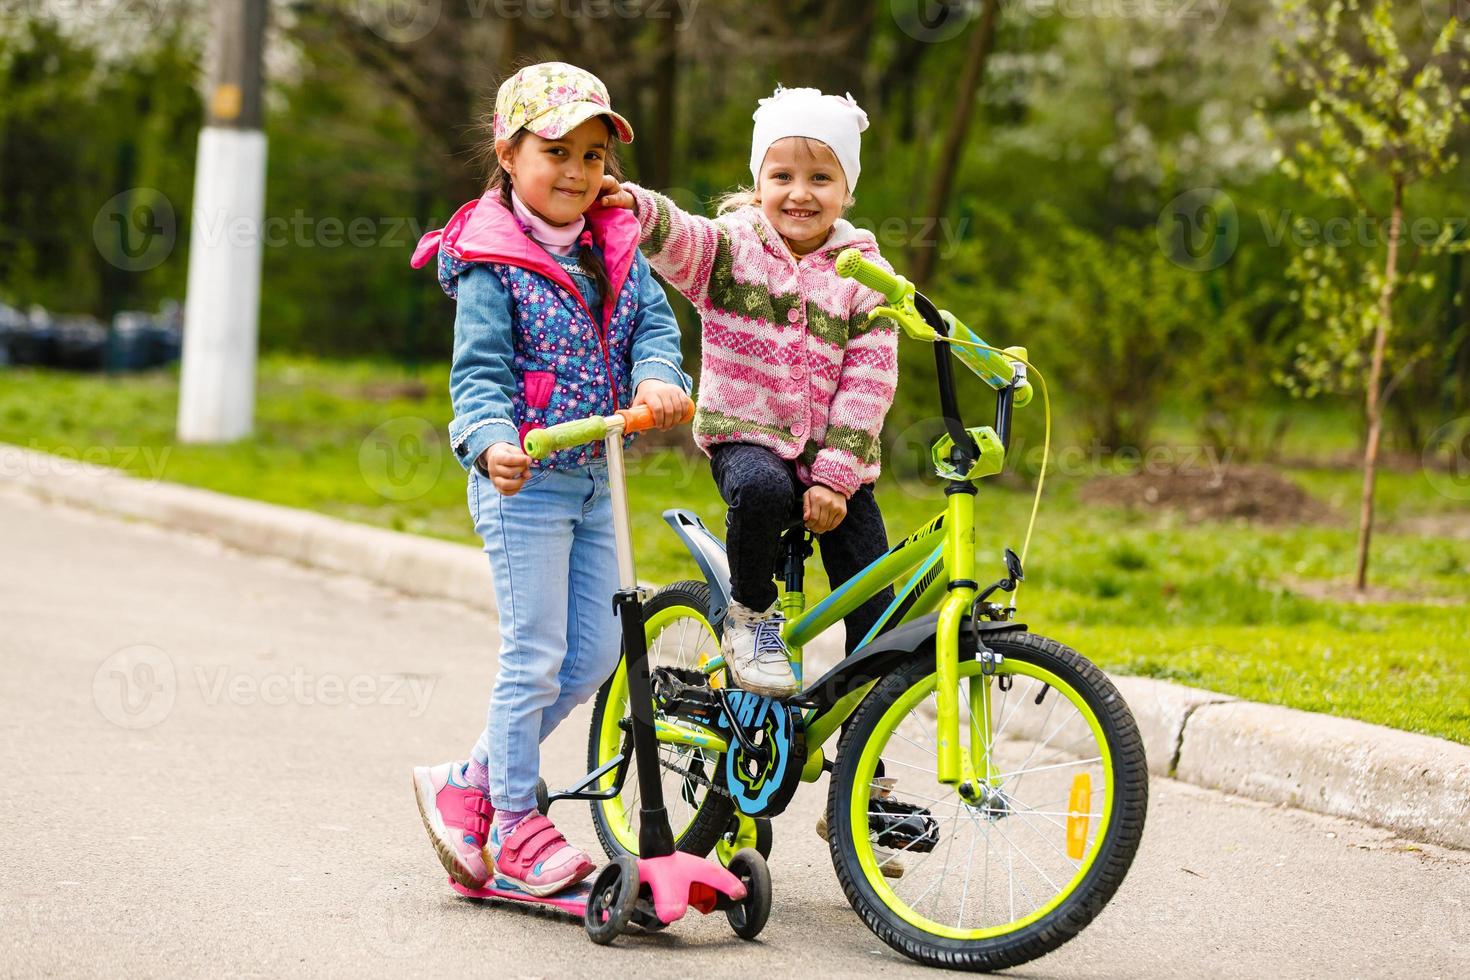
{"points": [[834, 119]]}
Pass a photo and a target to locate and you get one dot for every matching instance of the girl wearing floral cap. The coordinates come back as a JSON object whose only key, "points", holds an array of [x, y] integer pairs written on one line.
{"points": [[558, 318], [796, 380]]}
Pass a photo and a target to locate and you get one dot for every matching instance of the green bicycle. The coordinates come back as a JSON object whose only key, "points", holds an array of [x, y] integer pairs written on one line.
{"points": [[988, 787]]}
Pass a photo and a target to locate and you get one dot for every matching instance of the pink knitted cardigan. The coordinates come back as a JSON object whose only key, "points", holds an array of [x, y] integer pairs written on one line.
{"points": [[789, 359]]}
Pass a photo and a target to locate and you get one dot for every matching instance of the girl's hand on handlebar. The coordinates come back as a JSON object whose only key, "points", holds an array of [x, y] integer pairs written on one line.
{"points": [[612, 194], [822, 508], [668, 402], [507, 467]]}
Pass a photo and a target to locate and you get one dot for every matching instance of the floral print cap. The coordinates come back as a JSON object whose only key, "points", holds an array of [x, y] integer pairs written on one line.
{"points": [[552, 99]]}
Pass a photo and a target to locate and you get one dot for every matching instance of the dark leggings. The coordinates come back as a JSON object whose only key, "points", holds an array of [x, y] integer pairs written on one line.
{"points": [[764, 498]]}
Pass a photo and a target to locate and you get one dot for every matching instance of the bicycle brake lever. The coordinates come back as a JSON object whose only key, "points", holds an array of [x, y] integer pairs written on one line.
{"points": [[908, 320]]}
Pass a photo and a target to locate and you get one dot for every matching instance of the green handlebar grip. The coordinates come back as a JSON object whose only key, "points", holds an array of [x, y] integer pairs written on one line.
{"points": [[852, 265], [541, 443]]}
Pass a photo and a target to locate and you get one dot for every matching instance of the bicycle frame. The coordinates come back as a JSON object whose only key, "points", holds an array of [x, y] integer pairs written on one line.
{"points": [[932, 568], [938, 560]]}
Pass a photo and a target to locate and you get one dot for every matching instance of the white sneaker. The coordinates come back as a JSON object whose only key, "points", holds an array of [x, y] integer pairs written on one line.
{"points": [[755, 655], [889, 860]]}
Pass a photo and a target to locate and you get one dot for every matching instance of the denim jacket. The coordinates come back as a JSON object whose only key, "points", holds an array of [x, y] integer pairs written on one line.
{"points": [[529, 350]]}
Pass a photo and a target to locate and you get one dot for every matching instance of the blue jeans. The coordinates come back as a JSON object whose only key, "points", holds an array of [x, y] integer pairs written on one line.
{"points": [[555, 567]]}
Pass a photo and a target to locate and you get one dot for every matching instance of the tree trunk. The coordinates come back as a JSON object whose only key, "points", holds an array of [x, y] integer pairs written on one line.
{"points": [[922, 252], [1375, 383], [667, 83]]}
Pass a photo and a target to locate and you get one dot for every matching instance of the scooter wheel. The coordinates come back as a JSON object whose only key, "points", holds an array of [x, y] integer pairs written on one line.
{"points": [[543, 797], [612, 901], [748, 916]]}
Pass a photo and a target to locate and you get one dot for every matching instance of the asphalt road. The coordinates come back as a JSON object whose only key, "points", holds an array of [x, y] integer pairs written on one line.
{"points": [[206, 771]]}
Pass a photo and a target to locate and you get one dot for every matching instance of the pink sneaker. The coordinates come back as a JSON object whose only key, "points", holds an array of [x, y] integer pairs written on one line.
{"points": [[537, 857], [457, 818]]}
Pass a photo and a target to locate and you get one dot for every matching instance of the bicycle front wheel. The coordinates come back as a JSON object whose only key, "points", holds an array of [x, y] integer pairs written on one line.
{"points": [[1006, 869]]}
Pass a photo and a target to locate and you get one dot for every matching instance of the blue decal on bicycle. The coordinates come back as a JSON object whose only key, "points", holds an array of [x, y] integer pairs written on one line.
{"points": [[761, 783]]}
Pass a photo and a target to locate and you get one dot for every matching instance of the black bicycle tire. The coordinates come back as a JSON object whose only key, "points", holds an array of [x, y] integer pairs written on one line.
{"points": [[1125, 831]]}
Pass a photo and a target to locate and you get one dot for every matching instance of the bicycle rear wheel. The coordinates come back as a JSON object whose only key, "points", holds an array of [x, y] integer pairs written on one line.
{"points": [[679, 635], [1025, 862]]}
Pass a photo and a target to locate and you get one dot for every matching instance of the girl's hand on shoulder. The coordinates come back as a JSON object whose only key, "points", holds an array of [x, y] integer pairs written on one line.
{"points": [[822, 508], [612, 194], [668, 402], [507, 467]]}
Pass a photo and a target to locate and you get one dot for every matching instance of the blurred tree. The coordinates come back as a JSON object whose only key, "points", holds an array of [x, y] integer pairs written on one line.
{"points": [[87, 129], [1383, 114], [1108, 318], [977, 53]]}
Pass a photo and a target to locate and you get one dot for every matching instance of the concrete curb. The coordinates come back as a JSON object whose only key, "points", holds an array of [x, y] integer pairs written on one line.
{"points": [[406, 562], [1413, 785]]}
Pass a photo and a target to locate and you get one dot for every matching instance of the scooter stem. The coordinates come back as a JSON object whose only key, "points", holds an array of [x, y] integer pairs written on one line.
{"points": [[655, 836], [618, 485]]}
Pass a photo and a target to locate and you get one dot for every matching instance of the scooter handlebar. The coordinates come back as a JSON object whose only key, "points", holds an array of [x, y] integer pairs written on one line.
{"points": [[540, 443]]}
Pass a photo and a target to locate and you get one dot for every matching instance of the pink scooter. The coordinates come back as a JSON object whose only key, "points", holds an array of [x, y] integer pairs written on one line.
{"points": [[659, 886]]}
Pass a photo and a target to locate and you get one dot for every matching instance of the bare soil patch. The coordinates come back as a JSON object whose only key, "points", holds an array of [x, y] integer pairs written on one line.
{"points": [[1257, 494], [1434, 525], [1342, 590]]}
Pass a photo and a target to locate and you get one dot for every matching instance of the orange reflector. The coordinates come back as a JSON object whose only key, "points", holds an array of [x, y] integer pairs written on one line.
{"points": [[1079, 806]]}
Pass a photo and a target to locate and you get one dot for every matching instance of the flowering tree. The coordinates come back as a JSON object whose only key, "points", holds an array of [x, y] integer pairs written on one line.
{"points": [[1382, 117]]}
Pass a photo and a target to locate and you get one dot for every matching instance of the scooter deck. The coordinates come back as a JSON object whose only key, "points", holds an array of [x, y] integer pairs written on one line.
{"points": [[572, 901]]}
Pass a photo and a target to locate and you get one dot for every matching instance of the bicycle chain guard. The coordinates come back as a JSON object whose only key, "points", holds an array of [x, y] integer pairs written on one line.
{"points": [[761, 782], [760, 779]]}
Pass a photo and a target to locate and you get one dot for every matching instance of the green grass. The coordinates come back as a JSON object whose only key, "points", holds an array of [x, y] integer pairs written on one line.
{"points": [[1141, 593]]}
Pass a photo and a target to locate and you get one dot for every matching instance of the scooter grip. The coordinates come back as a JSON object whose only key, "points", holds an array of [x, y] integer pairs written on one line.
{"points": [[640, 417], [540, 443]]}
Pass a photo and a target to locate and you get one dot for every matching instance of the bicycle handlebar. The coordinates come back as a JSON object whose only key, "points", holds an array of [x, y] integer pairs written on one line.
{"points": [[540, 443], [908, 307], [852, 265]]}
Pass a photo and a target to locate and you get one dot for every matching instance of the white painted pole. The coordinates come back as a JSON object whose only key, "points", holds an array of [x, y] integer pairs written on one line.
{"points": [[222, 307]]}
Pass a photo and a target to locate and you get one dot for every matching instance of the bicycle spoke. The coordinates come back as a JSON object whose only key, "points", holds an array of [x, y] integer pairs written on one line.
{"points": [[1049, 842], [909, 765], [1007, 838], [1060, 765], [965, 890]]}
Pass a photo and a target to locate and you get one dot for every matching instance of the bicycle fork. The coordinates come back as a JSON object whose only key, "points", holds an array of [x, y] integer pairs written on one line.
{"points": [[971, 772]]}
